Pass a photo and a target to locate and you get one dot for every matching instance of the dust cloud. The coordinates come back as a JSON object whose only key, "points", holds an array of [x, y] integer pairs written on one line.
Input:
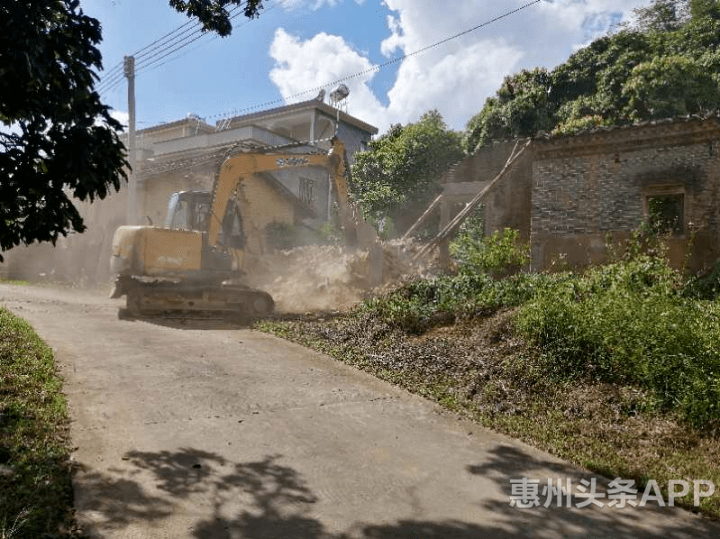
{"points": [[80, 261], [330, 278], [304, 279]]}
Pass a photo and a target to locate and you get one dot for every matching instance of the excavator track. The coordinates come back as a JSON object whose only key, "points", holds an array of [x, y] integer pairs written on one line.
{"points": [[189, 300]]}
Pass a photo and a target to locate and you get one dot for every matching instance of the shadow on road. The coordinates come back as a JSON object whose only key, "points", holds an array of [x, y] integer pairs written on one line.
{"points": [[267, 499], [562, 518]]}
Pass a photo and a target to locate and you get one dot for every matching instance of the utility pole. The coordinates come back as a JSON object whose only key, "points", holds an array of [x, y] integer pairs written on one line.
{"points": [[129, 69]]}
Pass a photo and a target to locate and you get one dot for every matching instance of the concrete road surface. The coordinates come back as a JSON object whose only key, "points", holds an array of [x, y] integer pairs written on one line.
{"points": [[221, 433]]}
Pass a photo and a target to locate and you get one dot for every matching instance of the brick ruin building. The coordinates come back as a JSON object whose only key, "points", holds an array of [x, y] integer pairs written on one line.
{"points": [[568, 195]]}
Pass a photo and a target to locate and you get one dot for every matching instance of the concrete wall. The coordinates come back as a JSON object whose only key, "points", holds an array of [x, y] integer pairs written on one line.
{"points": [[80, 258], [592, 187], [355, 140], [291, 179]]}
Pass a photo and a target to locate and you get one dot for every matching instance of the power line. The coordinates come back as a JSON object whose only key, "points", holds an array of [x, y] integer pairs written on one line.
{"points": [[176, 42], [374, 68], [157, 62], [163, 47], [110, 83], [160, 45], [140, 52]]}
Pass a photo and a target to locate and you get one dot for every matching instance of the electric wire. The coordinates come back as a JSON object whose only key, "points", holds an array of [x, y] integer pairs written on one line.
{"points": [[374, 68], [149, 66], [163, 47], [166, 47], [147, 53], [178, 42]]}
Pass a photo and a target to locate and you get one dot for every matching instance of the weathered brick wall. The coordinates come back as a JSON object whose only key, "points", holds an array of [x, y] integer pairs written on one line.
{"points": [[587, 186]]}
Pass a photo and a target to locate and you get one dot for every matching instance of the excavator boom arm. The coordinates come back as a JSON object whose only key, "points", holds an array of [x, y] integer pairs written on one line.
{"points": [[235, 169]]}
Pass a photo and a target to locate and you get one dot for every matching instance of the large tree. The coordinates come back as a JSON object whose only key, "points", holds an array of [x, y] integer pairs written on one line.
{"points": [[400, 173], [213, 14], [57, 139]]}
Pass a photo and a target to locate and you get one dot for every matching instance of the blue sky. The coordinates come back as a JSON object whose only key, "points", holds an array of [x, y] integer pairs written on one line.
{"points": [[297, 46]]}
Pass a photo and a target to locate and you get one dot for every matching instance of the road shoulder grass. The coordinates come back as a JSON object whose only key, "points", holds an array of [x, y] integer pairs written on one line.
{"points": [[35, 485]]}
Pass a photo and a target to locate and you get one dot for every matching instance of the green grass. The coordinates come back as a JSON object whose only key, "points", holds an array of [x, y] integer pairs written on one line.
{"points": [[629, 322], [35, 487]]}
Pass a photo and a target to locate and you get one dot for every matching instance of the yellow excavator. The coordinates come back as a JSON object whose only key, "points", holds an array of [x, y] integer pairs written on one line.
{"points": [[195, 264]]}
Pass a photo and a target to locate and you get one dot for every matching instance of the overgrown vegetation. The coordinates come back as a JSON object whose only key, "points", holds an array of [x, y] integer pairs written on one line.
{"points": [[616, 368], [665, 65], [35, 488], [628, 323]]}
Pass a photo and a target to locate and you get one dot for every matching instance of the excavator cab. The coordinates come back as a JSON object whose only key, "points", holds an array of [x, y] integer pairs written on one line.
{"points": [[188, 210]]}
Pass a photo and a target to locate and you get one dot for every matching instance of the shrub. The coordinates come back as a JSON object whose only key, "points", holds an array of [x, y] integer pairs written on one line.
{"points": [[706, 286], [497, 255], [627, 322], [281, 236]]}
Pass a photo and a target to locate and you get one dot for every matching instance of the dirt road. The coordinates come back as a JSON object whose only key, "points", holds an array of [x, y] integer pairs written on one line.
{"points": [[230, 433]]}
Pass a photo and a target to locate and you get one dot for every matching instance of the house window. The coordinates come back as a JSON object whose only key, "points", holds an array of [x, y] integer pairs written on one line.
{"points": [[666, 213], [307, 191]]}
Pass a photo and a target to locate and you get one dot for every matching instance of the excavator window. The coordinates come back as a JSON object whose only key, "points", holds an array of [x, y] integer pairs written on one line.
{"points": [[200, 214], [179, 217], [188, 210]]}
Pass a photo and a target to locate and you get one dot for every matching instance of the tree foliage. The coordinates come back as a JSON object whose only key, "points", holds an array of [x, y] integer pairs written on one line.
{"points": [[665, 64], [399, 175], [213, 15], [669, 86], [664, 15], [521, 108], [57, 139]]}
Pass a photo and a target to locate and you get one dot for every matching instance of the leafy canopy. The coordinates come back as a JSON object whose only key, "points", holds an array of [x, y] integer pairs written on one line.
{"points": [[214, 15], [664, 64], [57, 139], [399, 175]]}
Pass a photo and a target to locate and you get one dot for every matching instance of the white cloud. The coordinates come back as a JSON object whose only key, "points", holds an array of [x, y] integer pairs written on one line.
{"points": [[457, 76], [301, 65], [455, 84], [120, 116], [311, 4]]}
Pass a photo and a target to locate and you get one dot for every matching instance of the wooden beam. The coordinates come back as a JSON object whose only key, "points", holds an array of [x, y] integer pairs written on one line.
{"points": [[453, 225], [423, 217]]}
